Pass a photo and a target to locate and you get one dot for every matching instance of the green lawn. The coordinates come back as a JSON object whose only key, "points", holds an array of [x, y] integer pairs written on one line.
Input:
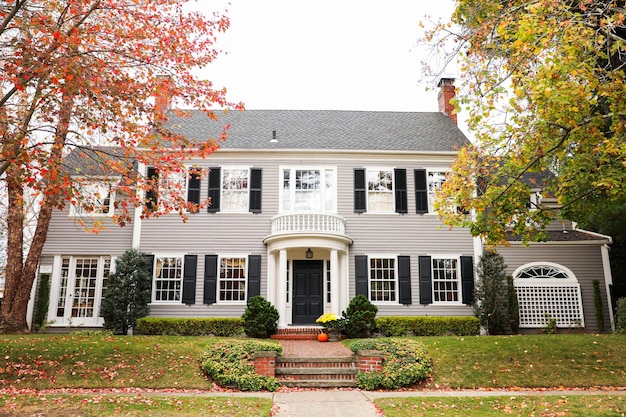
{"points": [[571, 406], [35, 362]]}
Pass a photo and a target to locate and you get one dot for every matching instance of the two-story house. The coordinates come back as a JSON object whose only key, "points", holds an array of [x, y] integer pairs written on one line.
{"points": [[308, 209]]}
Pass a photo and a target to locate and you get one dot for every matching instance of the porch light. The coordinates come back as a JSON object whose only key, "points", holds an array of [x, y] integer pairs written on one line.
{"points": [[309, 253]]}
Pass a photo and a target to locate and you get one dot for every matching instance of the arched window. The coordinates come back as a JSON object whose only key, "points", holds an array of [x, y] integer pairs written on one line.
{"points": [[545, 291]]}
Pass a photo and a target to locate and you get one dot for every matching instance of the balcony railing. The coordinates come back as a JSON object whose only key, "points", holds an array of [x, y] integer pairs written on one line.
{"points": [[308, 223]]}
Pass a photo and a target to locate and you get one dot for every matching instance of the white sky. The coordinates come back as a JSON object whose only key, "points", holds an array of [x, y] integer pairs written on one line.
{"points": [[325, 54]]}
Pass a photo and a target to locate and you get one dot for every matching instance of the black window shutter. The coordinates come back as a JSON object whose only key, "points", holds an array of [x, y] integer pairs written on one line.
{"points": [[189, 279], [421, 191], [467, 279], [400, 190], [255, 189], [210, 279], [404, 280], [152, 195], [254, 275], [426, 282], [361, 281], [150, 269], [215, 187], [360, 192], [193, 187]]}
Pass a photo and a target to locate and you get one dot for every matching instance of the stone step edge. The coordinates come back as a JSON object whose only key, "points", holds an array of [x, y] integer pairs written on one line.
{"points": [[312, 383], [317, 371], [326, 359]]}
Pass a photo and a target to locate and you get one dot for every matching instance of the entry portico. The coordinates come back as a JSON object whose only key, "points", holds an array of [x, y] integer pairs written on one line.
{"points": [[307, 266]]}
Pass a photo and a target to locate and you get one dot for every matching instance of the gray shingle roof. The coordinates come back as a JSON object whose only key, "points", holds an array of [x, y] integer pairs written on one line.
{"points": [[324, 129]]}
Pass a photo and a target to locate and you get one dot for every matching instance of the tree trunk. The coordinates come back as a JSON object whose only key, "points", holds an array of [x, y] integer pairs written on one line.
{"points": [[20, 271]]}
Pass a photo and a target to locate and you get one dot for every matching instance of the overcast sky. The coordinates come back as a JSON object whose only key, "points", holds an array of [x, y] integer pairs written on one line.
{"points": [[325, 54]]}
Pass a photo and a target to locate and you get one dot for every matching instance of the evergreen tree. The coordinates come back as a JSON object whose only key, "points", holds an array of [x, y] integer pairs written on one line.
{"points": [[128, 292], [491, 293]]}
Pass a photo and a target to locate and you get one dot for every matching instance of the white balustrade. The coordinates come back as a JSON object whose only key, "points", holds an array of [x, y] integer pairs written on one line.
{"points": [[308, 223]]}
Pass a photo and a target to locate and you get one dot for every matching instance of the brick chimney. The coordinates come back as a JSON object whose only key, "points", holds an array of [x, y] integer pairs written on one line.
{"points": [[446, 93]]}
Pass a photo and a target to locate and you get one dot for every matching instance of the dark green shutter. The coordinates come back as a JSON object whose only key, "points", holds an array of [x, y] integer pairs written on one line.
{"points": [[426, 281], [404, 280], [152, 195], [421, 191], [467, 279], [360, 192], [254, 275], [400, 190], [189, 279], [255, 189], [150, 269], [215, 188], [210, 279], [361, 281], [193, 187]]}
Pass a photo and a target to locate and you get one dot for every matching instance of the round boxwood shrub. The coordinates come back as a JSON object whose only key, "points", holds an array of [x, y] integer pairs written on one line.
{"points": [[405, 363], [360, 317], [230, 363], [260, 318]]}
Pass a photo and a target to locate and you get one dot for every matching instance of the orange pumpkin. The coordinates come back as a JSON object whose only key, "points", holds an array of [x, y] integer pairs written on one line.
{"points": [[322, 337]]}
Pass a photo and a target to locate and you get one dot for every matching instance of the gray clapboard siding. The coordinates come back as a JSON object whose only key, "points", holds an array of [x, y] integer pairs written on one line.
{"points": [[67, 237], [583, 260]]}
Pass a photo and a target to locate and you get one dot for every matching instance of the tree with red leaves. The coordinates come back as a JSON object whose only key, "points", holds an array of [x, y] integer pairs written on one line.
{"points": [[76, 73]]}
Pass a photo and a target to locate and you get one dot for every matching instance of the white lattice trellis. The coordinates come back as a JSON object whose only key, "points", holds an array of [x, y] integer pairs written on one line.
{"points": [[539, 301]]}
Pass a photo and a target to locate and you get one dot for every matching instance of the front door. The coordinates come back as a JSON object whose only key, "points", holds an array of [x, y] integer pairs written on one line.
{"points": [[308, 297]]}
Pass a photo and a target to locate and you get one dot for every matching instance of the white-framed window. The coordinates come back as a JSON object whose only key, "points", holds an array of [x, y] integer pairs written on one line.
{"points": [[383, 279], [436, 178], [545, 291], [446, 278], [172, 187], [232, 279], [96, 198], [79, 284], [380, 197], [235, 189], [309, 189], [168, 279]]}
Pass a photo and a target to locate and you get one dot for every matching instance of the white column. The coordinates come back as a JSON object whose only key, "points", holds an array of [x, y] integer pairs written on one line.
{"points": [[334, 282], [271, 278], [608, 280], [281, 303]]}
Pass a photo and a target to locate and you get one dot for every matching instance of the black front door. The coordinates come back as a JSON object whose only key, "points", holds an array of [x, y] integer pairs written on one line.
{"points": [[308, 297]]}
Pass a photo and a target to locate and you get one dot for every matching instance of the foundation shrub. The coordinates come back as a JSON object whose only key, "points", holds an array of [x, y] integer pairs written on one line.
{"points": [[226, 327], [428, 325], [230, 364], [360, 317], [620, 316], [405, 363], [260, 318]]}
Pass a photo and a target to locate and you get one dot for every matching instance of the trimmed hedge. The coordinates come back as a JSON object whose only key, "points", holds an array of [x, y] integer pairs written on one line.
{"points": [[162, 326], [428, 325]]}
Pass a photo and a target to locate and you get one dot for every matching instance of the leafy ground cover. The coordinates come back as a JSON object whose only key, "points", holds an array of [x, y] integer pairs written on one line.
{"points": [[571, 406]]}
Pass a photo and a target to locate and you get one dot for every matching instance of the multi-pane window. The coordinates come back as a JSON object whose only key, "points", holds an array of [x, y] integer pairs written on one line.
{"points": [[82, 281], [173, 187], [235, 189], [446, 280], [96, 199], [105, 276], [435, 182], [308, 190], [383, 279], [168, 275], [328, 282], [232, 279], [380, 190]]}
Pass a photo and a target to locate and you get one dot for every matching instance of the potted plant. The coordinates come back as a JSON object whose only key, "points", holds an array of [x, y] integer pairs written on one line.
{"points": [[332, 326]]}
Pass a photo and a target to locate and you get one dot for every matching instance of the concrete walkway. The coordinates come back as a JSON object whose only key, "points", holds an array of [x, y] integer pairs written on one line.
{"points": [[351, 403]]}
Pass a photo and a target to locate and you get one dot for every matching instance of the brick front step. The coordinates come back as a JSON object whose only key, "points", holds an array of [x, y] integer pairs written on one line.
{"points": [[297, 333], [317, 372]]}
